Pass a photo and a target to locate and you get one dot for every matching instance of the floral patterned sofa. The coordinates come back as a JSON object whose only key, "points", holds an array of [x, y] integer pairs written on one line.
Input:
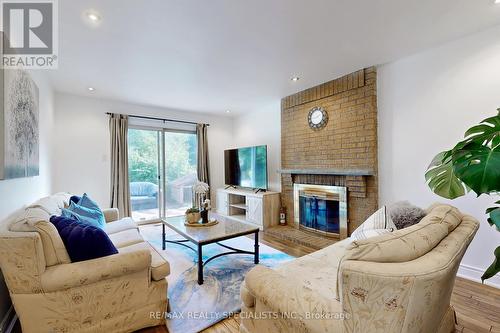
{"points": [[397, 282], [116, 293]]}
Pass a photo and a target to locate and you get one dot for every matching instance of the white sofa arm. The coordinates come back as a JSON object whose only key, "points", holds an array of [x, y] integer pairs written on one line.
{"points": [[76, 274], [111, 214]]}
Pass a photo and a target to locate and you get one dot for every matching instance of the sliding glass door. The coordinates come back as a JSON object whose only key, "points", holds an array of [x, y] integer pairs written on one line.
{"points": [[180, 171], [144, 173], [162, 172]]}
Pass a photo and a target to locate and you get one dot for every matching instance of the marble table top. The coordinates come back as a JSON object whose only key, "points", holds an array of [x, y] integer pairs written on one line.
{"points": [[225, 229]]}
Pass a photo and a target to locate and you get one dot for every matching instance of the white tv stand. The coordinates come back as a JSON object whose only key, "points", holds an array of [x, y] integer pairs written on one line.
{"points": [[261, 209]]}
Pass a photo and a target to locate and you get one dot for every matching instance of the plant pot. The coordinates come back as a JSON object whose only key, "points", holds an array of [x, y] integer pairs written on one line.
{"points": [[193, 217]]}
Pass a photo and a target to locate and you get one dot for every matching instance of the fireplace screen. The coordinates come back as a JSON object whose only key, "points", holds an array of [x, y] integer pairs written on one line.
{"points": [[319, 212], [321, 209]]}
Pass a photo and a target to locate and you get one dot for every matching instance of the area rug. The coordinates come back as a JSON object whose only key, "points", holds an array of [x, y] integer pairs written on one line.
{"points": [[194, 307]]}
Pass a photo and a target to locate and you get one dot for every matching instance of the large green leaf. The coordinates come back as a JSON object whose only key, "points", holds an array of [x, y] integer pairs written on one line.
{"points": [[476, 160], [441, 178], [489, 210], [494, 267], [494, 219], [486, 132], [478, 166]]}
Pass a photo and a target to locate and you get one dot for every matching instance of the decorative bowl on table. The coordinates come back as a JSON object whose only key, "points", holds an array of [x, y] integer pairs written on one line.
{"points": [[193, 215]]}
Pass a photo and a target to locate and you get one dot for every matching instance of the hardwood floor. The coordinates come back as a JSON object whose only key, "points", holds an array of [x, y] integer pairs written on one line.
{"points": [[477, 307]]}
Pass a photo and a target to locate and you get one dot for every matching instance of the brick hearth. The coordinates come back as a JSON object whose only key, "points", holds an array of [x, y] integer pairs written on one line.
{"points": [[300, 237]]}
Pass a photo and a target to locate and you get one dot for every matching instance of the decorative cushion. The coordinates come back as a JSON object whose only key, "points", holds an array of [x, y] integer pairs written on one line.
{"points": [[52, 204], [365, 234], [86, 202], [75, 199], [82, 241], [85, 215], [26, 219], [53, 246], [378, 223], [404, 214]]}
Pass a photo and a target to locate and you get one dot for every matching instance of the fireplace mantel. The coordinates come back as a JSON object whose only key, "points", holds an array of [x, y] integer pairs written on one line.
{"points": [[331, 172]]}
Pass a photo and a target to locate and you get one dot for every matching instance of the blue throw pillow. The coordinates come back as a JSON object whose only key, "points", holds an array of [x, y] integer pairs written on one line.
{"points": [[75, 199], [85, 215], [82, 241], [86, 202]]}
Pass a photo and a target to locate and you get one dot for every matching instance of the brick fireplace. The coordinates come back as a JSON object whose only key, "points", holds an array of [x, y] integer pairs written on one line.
{"points": [[342, 154]]}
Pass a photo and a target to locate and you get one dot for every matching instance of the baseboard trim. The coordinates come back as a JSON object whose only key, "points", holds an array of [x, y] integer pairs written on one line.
{"points": [[8, 321], [474, 274]]}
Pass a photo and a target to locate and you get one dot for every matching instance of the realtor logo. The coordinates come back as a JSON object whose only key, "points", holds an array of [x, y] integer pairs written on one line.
{"points": [[29, 34]]}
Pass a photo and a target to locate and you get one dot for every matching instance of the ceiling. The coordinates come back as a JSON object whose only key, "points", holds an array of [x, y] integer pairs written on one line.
{"points": [[239, 55]]}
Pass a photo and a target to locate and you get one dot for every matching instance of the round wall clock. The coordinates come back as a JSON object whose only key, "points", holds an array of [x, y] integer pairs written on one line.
{"points": [[317, 118]]}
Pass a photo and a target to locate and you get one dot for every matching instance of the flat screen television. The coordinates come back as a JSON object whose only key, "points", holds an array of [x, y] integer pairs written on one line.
{"points": [[246, 167]]}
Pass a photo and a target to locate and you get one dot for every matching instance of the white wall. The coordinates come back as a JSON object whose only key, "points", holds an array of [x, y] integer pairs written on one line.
{"points": [[14, 193], [426, 102], [262, 127], [82, 158]]}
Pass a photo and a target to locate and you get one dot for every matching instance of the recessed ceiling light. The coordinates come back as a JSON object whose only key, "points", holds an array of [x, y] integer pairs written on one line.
{"points": [[228, 111], [91, 89], [296, 78], [93, 16], [497, 2]]}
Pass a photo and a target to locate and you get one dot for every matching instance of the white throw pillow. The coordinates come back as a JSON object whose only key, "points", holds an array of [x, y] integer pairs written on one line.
{"points": [[378, 224], [26, 219], [52, 204]]}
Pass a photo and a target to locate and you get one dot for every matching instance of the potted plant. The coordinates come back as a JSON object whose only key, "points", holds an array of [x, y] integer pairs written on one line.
{"points": [[473, 164], [193, 215], [200, 191]]}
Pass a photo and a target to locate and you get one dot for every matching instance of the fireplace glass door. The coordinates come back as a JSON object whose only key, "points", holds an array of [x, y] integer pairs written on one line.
{"points": [[321, 209], [319, 212]]}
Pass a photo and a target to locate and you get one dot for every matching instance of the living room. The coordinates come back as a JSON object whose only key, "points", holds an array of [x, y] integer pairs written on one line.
{"points": [[301, 138]]}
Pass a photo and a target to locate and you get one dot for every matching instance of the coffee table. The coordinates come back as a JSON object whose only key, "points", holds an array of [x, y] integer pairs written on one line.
{"points": [[200, 236]]}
